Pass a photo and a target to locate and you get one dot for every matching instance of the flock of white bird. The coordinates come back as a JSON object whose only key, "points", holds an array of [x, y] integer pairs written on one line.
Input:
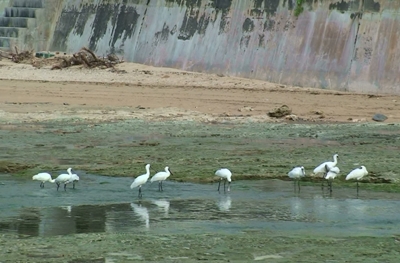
{"points": [[330, 171], [61, 179], [159, 177]]}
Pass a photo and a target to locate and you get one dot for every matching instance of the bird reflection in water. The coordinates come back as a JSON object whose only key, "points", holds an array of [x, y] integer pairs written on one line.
{"points": [[162, 205], [142, 213], [67, 208], [224, 203]]}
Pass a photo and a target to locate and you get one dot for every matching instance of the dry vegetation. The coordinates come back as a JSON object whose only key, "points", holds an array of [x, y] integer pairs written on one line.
{"points": [[85, 57]]}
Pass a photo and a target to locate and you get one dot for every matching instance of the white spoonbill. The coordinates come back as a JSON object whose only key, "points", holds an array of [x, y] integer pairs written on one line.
{"points": [[64, 179], [357, 173], [322, 169], [224, 173], [160, 177], [330, 175], [43, 177], [74, 178], [296, 174], [141, 180]]}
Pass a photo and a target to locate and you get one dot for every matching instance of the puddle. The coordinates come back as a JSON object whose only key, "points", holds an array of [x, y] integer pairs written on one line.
{"points": [[107, 204]]}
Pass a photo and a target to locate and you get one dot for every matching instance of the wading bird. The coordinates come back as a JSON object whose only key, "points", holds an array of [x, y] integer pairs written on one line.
{"points": [[224, 174], [74, 178], [322, 168], [330, 175], [64, 179], [357, 173], [43, 177], [296, 174], [160, 177], [141, 180]]}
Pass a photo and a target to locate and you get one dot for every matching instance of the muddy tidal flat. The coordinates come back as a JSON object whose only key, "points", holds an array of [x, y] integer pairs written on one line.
{"points": [[107, 126], [262, 218]]}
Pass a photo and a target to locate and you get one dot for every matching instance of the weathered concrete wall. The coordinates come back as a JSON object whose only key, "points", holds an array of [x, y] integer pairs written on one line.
{"points": [[27, 24], [335, 44]]}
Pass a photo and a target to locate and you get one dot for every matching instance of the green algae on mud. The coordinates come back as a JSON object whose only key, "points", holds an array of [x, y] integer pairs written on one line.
{"points": [[217, 247], [195, 150], [10, 167]]}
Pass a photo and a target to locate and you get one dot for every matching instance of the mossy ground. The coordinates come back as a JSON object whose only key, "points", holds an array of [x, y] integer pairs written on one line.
{"points": [[194, 151]]}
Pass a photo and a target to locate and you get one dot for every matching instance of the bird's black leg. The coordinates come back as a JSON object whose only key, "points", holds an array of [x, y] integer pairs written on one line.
{"points": [[357, 187], [140, 191], [323, 177], [65, 187], [58, 186], [41, 184], [330, 186], [219, 184], [73, 185], [162, 190]]}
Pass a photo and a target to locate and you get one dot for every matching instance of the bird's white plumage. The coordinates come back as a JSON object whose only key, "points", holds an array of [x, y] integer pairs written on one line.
{"points": [[357, 173], [297, 172], [43, 177], [161, 176], [64, 178], [141, 179], [224, 174], [332, 173], [72, 178], [321, 168]]}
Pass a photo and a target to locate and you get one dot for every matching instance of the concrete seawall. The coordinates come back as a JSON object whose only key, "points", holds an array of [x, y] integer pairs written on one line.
{"points": [[332, 44]]}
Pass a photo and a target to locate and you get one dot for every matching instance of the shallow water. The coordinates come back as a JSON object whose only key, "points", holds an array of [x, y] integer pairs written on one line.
{"points": [[107, 204]]}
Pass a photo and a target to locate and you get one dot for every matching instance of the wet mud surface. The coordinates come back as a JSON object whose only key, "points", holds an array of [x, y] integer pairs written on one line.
{"points": [[103, 220]]}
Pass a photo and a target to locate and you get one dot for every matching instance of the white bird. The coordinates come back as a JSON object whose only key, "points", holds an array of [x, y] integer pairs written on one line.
{"points": [[325, 167], [141, 180], [224, 174], [74, 178], [331, 174], [357, 173], [64, 179], [160, 177], [296, 174], [321, 168], [43, 177]]}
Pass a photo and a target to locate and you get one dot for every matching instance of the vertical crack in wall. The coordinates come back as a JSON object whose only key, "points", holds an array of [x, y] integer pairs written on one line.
{"points": [[356, 17], [141, 24]]}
